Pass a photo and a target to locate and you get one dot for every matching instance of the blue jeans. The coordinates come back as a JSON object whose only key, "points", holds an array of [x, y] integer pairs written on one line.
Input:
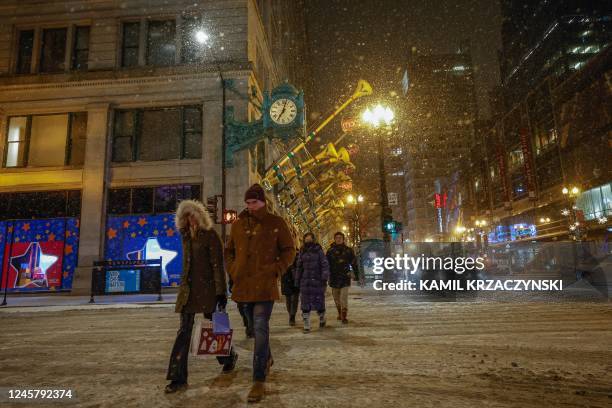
{"points": [[260, 312]]}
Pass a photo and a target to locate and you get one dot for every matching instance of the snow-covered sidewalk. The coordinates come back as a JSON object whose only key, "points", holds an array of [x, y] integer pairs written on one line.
{"points": [[394, 353]]}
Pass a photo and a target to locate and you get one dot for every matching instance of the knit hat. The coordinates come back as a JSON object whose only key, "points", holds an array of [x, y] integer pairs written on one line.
{"points": [[255, 192]]}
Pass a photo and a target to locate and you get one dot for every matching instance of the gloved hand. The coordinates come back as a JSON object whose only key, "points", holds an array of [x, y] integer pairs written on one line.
{"points": [[221, 301]]}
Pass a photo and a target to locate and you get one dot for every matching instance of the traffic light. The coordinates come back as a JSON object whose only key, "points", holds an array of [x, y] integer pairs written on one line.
{"points": [[393, 227], [229, 216]]}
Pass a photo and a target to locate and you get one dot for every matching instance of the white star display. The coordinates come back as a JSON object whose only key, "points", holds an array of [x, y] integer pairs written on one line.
{"points": [[152, 250]]}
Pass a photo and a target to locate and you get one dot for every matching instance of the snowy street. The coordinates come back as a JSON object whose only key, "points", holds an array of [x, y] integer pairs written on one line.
{"points": [[395, 352]]}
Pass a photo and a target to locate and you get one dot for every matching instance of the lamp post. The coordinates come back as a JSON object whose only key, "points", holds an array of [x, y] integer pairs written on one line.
{"points": [[355, 202], [376, 117], [570, 194], [203, 38], [481, 236]]}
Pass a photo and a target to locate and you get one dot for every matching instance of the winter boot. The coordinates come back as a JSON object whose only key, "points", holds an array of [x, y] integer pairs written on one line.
{"points": [[175, 386], [292, 320], [344, 319], [231, 364], [322, 319], [306, 316], [339, 313], [257, 391], [249, 333]]}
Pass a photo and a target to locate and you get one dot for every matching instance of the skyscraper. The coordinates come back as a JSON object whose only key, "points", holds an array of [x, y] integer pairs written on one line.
{"points": [[438, 132], [544, 38]]}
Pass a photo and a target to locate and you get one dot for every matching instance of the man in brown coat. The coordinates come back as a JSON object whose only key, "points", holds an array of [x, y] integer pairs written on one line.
{"points": [[258, 253], [203, 287]]}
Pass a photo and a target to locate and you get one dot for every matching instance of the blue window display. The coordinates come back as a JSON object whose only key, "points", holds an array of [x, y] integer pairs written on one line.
{"points": [[137, 237], [38, 255]]}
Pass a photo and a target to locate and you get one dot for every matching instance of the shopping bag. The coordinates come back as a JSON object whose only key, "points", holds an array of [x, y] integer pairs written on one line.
{"points": [[205, 343], [221, 323]]}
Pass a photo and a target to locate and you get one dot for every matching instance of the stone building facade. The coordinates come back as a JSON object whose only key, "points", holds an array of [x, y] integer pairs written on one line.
{"points": [[115, 107]]}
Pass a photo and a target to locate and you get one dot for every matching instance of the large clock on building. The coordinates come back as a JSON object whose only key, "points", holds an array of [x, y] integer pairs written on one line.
{"points": [[283, 112]]}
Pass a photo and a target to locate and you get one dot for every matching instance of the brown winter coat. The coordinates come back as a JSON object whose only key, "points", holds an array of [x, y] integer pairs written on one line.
{"points": [[259, 251], [203, 275]]}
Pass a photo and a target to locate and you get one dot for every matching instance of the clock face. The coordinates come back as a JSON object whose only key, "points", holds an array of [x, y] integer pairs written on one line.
{"points": [[283, 111]]}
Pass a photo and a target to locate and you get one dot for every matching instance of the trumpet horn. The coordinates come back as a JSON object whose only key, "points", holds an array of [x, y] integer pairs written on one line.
{"points": [[328, 153], [363, 89]]}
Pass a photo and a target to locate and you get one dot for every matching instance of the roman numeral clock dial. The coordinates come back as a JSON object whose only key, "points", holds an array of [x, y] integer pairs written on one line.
{"points": [[283, 111]]}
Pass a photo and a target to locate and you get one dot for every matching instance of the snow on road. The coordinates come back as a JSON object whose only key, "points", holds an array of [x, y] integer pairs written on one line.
{"points": [[394, 353]]}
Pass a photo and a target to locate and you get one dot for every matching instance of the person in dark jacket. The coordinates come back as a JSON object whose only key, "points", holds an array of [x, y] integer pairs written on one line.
{"points": [[312, 273], [342, 266], [203, 286], [291, 290]]}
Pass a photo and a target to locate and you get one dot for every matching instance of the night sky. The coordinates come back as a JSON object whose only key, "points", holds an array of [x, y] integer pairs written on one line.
{"points": [[352, 39]]}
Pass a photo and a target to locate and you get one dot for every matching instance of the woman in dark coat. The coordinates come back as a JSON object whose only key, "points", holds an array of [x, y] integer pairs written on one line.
{"points": [[203, 286], [291, 290], [312, 273]]}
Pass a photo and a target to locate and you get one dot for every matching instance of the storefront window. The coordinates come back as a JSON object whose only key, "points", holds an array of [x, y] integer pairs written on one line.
{"points": [[596, 202]]}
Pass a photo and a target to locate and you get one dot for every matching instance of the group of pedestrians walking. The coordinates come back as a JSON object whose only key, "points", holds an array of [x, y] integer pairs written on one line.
{"points": [[310, 274], [261, 251]]}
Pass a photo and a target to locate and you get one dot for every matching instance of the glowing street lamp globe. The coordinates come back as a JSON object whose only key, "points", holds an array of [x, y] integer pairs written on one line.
{"points": [[201, 36], [378, 115]]}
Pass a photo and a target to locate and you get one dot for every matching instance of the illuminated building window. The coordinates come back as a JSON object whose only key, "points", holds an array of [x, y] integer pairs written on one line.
{"points": [[15, 151], [46, 140]]}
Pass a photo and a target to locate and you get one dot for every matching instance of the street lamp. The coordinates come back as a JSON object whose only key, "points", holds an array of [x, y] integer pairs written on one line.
{"points": [[571, 193], [355, 202], [377, 117], [203, 38]]}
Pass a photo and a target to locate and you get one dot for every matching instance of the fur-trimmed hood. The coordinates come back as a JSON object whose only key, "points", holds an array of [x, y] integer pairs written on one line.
{"points": [[187, 207]]}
